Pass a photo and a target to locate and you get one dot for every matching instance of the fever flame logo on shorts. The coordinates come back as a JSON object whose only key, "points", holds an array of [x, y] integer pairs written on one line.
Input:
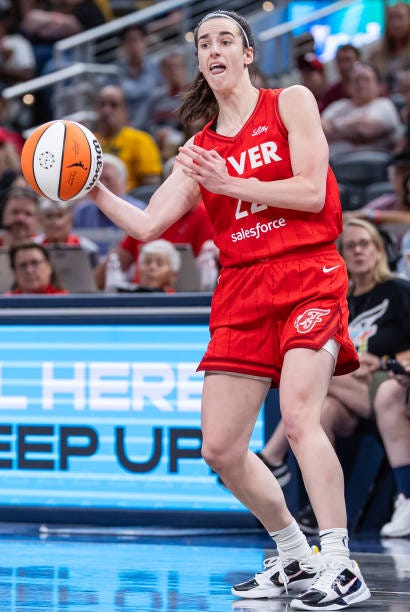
{"points": [[308, 319]]}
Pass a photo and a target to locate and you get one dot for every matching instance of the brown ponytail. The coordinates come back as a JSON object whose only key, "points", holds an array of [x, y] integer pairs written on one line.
{"points": [[198, 102]]}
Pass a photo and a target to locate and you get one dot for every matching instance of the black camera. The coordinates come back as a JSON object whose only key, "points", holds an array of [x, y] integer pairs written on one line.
{"points": [[394, 366]]}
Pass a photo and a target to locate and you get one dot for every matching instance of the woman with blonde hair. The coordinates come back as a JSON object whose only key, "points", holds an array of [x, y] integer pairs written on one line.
{"points": [[392, 54], [379, 326]]}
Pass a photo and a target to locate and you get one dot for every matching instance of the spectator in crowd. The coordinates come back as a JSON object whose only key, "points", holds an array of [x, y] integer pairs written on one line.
{"points": [[379, 325], [301, 45], [391, 207], [9, 166], [115, 177], [346, 57], [398, 167], [403, 265], [366, 120], [193, 228], [19, 219], [33, 270], [62, 18], [403, 101], [392, 411], [106, 9], [56, 223], [163, 118], [392, 54], [8, 131], [158, 266], [136, 148], [138, 74], [17, 61], [312, 76], [45, 24], [20, 181]]}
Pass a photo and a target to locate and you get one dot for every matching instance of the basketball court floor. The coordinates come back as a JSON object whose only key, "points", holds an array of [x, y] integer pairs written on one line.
{"points": [[163, 570]]}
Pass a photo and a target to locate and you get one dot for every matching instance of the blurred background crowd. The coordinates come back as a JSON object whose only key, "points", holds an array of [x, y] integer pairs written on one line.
{"points": [[121, 67]]}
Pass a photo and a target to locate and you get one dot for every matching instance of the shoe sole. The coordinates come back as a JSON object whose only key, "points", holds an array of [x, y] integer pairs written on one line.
{"points": [[261, 593], [296, 604]]}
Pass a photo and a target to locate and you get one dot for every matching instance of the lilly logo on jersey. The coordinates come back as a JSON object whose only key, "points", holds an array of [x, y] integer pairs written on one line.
{"points": [[261, 129], [306, 321]]}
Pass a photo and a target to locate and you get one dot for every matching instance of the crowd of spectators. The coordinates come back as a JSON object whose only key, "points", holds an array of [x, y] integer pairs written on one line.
{"points": [[365, 106]]}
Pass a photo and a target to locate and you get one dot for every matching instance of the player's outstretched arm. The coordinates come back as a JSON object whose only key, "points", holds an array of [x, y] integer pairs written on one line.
{"points": [[173, 198]]}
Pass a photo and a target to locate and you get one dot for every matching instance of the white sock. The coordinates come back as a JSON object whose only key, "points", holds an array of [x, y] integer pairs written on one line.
{"points": [[291, 542], [334, 543]]}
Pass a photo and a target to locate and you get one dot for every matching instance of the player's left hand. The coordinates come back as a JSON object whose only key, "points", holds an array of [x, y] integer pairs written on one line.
{"points": [[206, 167]]}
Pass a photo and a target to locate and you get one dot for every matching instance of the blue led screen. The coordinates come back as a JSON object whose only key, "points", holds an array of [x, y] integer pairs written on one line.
{"points": [[105, 416]]}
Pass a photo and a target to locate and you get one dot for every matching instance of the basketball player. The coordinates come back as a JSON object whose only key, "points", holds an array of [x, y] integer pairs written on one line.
{"points": [[279, 315]]}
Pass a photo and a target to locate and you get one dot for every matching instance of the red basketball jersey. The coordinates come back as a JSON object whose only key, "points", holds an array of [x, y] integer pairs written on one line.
{"points": [[248, 231]]}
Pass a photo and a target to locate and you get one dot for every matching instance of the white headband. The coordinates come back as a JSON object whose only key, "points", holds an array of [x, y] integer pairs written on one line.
{"points": [[224, 16]]}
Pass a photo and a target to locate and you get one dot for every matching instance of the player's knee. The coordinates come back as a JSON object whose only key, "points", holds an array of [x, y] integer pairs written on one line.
{"points": [[293, 427], [295, 414], [218, 457]]}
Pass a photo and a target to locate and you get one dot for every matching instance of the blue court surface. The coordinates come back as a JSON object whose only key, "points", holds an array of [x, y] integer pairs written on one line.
{"points": [[81, 569]]}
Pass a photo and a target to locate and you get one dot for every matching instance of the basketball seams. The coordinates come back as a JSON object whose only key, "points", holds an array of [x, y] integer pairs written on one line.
{"points": [[71, 158], [91, 168], [28, 157], [33, 169], [60, 176]]}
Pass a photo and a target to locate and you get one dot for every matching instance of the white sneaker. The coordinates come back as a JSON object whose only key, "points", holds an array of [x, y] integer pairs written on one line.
{"points": [[399, 524], [280, 576], [339, 585]]}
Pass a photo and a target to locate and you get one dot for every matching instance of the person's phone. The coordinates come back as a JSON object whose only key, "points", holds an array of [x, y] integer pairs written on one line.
{"points": [[394, 366]]}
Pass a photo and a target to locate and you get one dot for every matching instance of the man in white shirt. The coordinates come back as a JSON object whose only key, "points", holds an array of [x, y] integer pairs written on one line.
{"points": [[17, 61], [366, 120]]}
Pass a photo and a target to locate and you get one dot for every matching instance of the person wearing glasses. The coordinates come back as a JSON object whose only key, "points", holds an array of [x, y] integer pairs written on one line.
{"points": [[33, 271], [379, 325]]}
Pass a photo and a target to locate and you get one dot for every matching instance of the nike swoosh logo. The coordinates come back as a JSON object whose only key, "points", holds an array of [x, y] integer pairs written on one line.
{"points": [[298, 573], [344, 589], [326, 270]]}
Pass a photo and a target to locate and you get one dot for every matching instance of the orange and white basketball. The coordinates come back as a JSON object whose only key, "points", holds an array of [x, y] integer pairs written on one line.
{"points": [[62, 160]]}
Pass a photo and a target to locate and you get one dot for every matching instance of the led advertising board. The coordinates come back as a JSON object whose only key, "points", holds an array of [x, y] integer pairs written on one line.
{"points": [[105, 417], [360, 23]]}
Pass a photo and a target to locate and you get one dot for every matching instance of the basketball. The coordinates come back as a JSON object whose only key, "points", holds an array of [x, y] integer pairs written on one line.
{"points": [[62, 160]]}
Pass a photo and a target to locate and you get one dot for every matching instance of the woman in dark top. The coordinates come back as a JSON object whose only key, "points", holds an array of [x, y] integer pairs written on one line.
{"points": [[379, 326]]}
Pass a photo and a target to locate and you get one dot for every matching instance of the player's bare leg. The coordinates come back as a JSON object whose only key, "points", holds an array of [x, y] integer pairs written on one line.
{"points": [[230, 407]]}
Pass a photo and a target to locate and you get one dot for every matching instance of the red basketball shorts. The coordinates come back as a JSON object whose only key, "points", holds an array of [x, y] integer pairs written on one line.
{"points": [[261, 311]]}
